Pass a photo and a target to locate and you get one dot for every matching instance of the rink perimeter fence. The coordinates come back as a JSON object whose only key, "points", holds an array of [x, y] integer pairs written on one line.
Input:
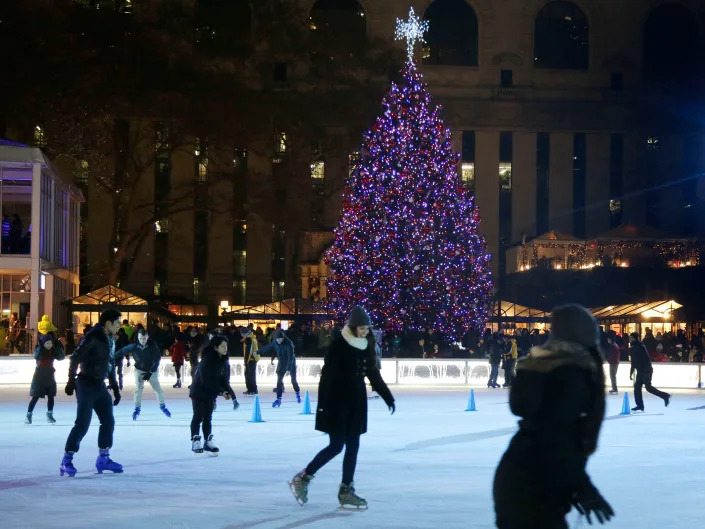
{"points": [[395, 371]]}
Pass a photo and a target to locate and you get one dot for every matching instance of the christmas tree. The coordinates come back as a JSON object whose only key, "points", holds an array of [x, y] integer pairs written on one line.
{"points": [[407, 247]]}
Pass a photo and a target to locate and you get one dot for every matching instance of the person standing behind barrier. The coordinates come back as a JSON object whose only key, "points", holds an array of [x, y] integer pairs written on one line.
{"points": [[510, 359], [251, 356], [613, 353], [641, 363], [496, 349]]}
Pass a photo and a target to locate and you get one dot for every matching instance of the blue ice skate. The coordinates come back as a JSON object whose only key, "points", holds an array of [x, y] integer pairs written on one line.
{"points": [[277, 403], [164, 410], [105, 463], [67, 465], [136, 413]]}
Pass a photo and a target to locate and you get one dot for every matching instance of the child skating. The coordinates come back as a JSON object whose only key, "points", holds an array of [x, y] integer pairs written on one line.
{"points": [[43, 382], [178, 357], [342, 406]]}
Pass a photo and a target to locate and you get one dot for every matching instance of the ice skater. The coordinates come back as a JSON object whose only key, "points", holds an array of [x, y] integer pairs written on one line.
{"points": [[641, 363], [209, 381], [559, 394], [178, 357], [43, 382], [283, 349], [612, 353], [496, 350], [251, 356], [96, 357], [342, 406], [146, 355]]}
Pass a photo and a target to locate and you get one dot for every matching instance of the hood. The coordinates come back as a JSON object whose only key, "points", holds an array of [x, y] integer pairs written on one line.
{"points": [[555, 354]]}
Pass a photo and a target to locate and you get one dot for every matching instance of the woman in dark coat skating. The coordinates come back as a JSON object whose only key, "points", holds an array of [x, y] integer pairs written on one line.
{"points": [[43, 382], [342, 405], [559, 394]]}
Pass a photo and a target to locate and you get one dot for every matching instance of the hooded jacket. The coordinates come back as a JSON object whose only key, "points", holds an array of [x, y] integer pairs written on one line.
{"points": [[146, 357], [284, 352], [211, 378], [95, 355]]}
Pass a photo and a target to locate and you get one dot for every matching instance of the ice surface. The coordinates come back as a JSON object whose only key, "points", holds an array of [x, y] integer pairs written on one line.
{"points": [[428, 466]]}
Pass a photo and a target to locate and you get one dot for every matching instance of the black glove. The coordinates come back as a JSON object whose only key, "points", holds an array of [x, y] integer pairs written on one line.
{"points": [[70, 385], [392, 408], [236, 404], [116, 395], [594, 503], [147, 375]]}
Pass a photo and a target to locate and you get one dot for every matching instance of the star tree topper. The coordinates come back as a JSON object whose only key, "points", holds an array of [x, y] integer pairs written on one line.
{"points": [[411, 30]]}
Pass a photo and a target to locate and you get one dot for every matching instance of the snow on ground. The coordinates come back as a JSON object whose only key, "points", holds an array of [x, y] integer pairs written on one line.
{"points": [[428, 466]]}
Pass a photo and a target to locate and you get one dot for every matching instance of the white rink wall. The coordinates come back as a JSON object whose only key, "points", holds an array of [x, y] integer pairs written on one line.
{"points": [[397, 371]]}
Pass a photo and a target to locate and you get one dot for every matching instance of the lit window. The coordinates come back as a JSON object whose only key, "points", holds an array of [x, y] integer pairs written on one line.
{"points": [[240, 263], [615, 207], [81, 173], [157, 288], [200, 147], [39, 136], [505, 176], [318, 170], [239, 291], [278, 290], [279, 146], [196, 288], [239, 158], [161, 226], [467, 175], [203, 170], [653, 143], [161, 137]]}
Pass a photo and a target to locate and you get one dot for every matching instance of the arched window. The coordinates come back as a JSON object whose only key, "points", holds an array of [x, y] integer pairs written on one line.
{"points": [[452, 34], [671, 44], [561, 37], [337, 28], [222, 27]]}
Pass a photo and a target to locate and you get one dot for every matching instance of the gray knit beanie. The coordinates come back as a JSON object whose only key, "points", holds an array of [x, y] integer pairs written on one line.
{"points": [[359, 318], [574, 323]]}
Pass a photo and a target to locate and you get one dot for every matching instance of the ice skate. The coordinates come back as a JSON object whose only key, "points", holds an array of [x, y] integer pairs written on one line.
{"points": [[299, 487], [349, 500], [277, 403], [165, 411], [177, 385], [136, 413], [667, 399], [298, 397], [614, 392], [28, 418], [637, 408], [50, 417], [105, 463], [67, 465], [196, 447], [209, 447]]}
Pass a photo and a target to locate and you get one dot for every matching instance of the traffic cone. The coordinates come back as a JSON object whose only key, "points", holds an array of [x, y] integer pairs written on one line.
{"points": [[307, 405], [625, 405], [471, 401], [256, 411]]}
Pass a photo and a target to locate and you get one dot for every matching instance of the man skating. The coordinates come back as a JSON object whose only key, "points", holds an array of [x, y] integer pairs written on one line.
{"points": [[641, 363], [283, 349], [96, 357]]}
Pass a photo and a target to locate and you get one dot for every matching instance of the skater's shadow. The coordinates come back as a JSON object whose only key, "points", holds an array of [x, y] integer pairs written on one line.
{"points": [[698, 408], [317, 518], [248, 525], [454, 439]]}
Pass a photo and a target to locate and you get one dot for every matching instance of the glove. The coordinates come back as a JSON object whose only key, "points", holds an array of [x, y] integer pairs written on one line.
{"points": [[236, 404], [147, 376], [593, 503], [392, 408], [116, 395], [70, 386]]}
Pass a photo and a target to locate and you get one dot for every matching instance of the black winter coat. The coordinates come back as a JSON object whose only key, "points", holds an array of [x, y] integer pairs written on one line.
{"points": [[342, 395], [211, 378], [146, 358], [43, 381], [284, 352], [559, 394], [95, 355], [641, 362]]}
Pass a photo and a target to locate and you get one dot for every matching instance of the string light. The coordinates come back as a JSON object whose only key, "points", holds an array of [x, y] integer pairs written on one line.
{"points": [[411, 30]]}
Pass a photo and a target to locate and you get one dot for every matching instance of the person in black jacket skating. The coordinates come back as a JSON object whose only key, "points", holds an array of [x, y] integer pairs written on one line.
{"points": [[210, 380], [641, 363], [559, 394], [496, 349], [342, 405], [43, 382], [95, 355], [282, 349]]}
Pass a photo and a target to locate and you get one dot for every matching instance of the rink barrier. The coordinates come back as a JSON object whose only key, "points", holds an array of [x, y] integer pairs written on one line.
{"points": [[395, 371]]}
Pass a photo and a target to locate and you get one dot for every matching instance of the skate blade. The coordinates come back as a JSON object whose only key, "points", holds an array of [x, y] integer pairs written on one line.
{"points": [[293, 491], [352, 508], [197, 454], [211, 454]]}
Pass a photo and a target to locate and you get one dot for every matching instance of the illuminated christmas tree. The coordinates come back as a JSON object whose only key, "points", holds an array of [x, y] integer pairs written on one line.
{"points": [[407, 247]]}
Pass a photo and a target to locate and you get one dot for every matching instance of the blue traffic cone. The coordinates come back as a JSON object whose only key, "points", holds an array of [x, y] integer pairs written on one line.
{"points": [[625, 405], [307, 406], [471, 401], [256, 411]]}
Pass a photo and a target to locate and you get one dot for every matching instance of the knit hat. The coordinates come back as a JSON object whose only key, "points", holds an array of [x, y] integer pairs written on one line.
{"points": [[574, 323], [279, 334], [44, 338], [359, 318]]}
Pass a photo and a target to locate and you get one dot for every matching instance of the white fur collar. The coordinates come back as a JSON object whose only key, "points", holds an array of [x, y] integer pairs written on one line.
{"points": [[357, 343]]}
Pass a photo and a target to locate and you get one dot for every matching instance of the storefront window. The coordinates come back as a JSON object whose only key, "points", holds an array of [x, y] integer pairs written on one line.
{"points": [[16, 200]]}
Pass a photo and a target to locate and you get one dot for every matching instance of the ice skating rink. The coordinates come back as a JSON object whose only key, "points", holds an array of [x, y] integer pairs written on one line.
{"points": [[428, 466]]}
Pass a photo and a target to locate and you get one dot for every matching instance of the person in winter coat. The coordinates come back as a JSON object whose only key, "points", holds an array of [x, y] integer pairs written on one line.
{"points": [[146, 355], [559, 395], [250, 348], [194, 343], [496, 349], [45, 326], [510, 359], [95, 355], [121, 341], [613, 353], [342, 405], [641, 363], [43, 382], [13, 334], [209, 381], [178, 357], [283, 349]]}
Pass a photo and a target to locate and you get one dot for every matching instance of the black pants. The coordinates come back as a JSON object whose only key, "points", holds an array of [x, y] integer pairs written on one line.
{"points": [[644, 379], [202, 414], [33, 403], [177, 368], [194, 366], [509, 371], [335, 446], [494, 371], [280, 383], [119, 372], [251, 377], [91, 394]]}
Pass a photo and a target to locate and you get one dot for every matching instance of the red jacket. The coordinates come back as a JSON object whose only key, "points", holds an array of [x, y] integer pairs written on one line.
{"points": [[178, 353], [613, 353]]}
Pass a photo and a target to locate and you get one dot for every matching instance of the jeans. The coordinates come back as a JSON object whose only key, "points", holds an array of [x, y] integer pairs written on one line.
{"points": [[644, 379], [494, 371], [177, 368], [509, 371], [335, 446], [280, 383], [613, 376], [251, 377], [202, 413], [33, 403], [139, 386], [91, 394]]}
